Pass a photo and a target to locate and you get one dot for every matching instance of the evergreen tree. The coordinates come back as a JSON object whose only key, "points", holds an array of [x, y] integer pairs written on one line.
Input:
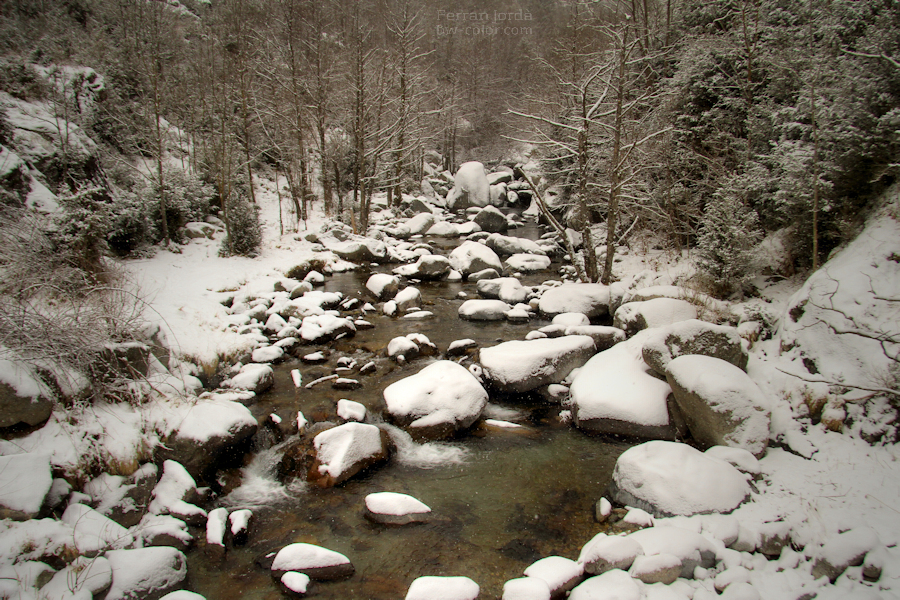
{"points": [[728, 235]]}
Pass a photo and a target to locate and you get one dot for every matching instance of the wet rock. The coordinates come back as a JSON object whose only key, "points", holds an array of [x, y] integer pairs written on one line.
{"points": [[23, 398], [314, 561], [390, 508], [383, 286], [694, 337], [721, 405], [343, 451], [521, 366]]}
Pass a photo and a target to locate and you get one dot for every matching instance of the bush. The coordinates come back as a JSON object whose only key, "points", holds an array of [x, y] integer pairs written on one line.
{"points": [[244, 231]]}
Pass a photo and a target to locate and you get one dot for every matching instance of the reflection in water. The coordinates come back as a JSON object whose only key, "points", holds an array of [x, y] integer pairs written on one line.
{"points": [[500, 498]]}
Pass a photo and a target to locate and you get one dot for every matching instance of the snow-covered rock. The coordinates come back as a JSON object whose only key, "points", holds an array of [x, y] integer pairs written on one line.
{"points": [[647, 314], [471, 187], [847, 549], [23, 396], [350, 410], [407, 298], [315, 561], [25, 480], [669, 478], [88, 577], [295, 583], [344, 451], [607, 552], [521, 366], [176, 494], [443, 588], [591, 299], [383, 285], [253, 377], [216, 523], [410, 346], [612, 585], [604, 337], [720, 403], [559, 573], [614, 392], [526, 588], [318, 329], [571, 320], [658, 568], [163, 530], [358, 250], [395, 509], [692, 548], [527, 263], [427, 267], [145, 573], [267, 354], [436, 402], [484, 310], [472, 257], [506, 245], [93, 532], [693, 337], [491, 220], [484, 274], [207, 428], [239, 522], [508, 289], [443, 229]]}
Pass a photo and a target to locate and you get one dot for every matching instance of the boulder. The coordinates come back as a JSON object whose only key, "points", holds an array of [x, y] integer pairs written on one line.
{"points": [[607, 552], [847, 549], [427, 267], [92, 533], [176, 494], [443, 229], [669, 478], [23, 397], [254, 377], [559, 573], [314, 561], [615, 393], [318, 329], [498, 195], [360, 250], [604, 337], [520, 366], [506, 246], [647, 314], [508, 289], [471, 187], [693, 337], [383, 286], [471, 257], [484, 274], [443, 588], [90, 577], [206, 430], [345, 450], [591, 299], [437, 402], [491, 220], [145, 573], [526, 588], [527, 263], [419, 224], [25, 480], [721, 405], [484, 310], [612, 585], [407, 298], [391, 508], [499, 177], [659, 568]]}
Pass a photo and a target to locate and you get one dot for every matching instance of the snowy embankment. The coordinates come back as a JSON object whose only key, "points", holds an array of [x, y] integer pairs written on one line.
{"points": [[812, 507]]}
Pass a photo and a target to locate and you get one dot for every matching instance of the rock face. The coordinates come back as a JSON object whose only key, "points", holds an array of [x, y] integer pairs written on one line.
{"points": [[648, 314], [591, 299], [521, 366], [438, 401], [345, 450], [208, 428], [471, 187], [669, 478], [22, 397], [694, 337], [25, 480], [721, 404], [472, 257], [316, 562]]}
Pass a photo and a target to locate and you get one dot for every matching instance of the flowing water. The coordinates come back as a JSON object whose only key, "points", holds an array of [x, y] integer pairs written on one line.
{"points": [[500, 498]]}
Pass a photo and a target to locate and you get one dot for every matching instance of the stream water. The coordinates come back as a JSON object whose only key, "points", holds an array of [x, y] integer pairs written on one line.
{"points": [[500, 499]]}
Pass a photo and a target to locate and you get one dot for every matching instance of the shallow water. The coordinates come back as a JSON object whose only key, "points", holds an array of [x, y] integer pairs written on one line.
{"points": [[500, 499]]}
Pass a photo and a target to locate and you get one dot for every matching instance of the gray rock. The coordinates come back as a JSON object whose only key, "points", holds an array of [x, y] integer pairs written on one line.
{"points": [[333, 465], [491, 220], [694, 337], [30, 408], [520, 366]]}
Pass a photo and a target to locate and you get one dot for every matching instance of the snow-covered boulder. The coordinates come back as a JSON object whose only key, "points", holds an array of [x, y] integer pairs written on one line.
{"points": [[392, 508], [443, 588], [491, 220], [484, 274], [350, 410], [267, 354], [216, 523], [471, 187], [508, 289], [443, 229], [521, 366], [410, 346], [847, 549], [472, 257], [484, 310], [526, 588], [25, 480], [253, 377], [438, 401], [527, 263], [721, 405], [498, 195], [207, 428], [319, 329], [612, 585], [427, 267], [383, 285], [693, 337], [145, 573], [359, 250], [89, 577], [607, 552], [163, 530], [23, 397], [604, 337], [591, 299], [669, 478], [692, 548], [659, 568], [314, 561], [616, 393], [92, 532], [559, 573], [647, 314], [407, 298], [505, 245], [416, 225], [176, 494], [345, 450]]}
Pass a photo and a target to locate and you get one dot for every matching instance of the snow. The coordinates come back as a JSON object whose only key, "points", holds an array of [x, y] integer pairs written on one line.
{"points": [[526, 588], [350, 410], [527, 262], [295, 582], [137, 573], [215, 526], [80, 580], [169, 494], [25, 480], [525, 365], [240, 520], [299, 556], [443, 588], [341, 447], [21, 378], [94, 532], [206, 419], [612, 585], [676, 479], [484, 310], [556, 571], [591, 299], [393, 503]]}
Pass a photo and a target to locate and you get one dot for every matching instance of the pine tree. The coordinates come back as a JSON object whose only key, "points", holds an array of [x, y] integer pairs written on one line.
{"points": [[725, 251]]}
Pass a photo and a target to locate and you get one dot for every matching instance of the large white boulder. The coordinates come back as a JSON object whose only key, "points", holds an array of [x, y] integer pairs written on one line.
{"points": [[471, 187], [508, 289], [443, 588], [383, 286], [647, 314], [616, 393], [483, 310], [25, 480], [472, 257], [429, 266], [506, 245], [591, 299], [527, 263], [438, 401], [315, 561], [670, 478], [344, 451], [521, 366], [146, 573], [720, 403], [612, 585]]}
